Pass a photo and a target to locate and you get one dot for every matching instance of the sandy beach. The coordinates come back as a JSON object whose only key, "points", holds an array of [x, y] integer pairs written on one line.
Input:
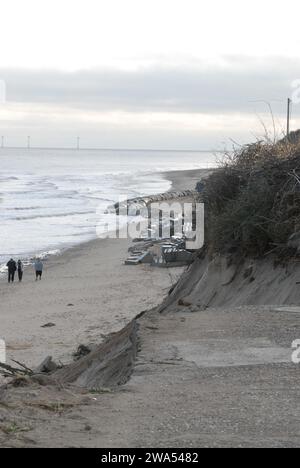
{"points": [[183, 180], [87, 293], [207, 368]]}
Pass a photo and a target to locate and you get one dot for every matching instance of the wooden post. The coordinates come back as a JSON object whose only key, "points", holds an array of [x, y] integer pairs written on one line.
{"points": [[288, 117]]}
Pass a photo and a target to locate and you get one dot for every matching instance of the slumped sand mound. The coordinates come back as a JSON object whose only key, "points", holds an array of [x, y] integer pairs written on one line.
{"points": [[108, 366]]}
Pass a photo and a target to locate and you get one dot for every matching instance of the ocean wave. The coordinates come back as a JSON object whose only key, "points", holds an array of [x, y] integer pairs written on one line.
{"points": [[6, 179], [25, 208], [54, 215]]}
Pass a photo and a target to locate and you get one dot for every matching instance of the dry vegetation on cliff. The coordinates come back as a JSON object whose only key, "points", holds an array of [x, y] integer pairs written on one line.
{"points": [[253, 200]]}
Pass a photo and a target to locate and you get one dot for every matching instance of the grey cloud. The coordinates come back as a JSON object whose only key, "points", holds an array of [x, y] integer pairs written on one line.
{"points": [[236, 85]]}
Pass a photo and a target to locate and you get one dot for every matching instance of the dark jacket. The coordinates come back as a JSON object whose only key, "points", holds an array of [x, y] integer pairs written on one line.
{"points": [[12, 266]]}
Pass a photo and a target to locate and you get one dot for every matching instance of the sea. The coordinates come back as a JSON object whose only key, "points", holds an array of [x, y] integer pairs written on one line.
{"points": [[53, 199]]}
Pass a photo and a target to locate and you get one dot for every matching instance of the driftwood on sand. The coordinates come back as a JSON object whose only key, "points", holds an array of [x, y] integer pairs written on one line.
{"points": [[47, 366], [10, 371], [106, 366]]}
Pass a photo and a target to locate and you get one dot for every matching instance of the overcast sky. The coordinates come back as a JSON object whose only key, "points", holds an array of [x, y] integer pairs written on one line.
{"points": [[182, 74]]}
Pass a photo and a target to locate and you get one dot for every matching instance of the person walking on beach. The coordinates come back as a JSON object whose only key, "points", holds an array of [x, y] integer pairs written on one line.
{"points": [[12, 268], [38, 266], [20, 270]]}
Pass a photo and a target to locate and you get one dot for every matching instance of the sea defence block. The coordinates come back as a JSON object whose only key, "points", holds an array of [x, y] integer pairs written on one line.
{"points": [[145, 257]]}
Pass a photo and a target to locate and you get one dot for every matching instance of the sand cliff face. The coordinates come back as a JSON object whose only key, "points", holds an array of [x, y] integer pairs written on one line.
{"points": [[219, 282]]}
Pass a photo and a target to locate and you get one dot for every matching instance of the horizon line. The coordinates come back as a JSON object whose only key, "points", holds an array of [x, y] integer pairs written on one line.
{"points": [[69, 148]]}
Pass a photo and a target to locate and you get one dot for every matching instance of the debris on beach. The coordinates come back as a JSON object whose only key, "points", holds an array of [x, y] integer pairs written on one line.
{"points": [[48, 325], [47, 366], [160, 253], [9, 371], [81, 351], [153, 247], [134, 205], [22, 375]]}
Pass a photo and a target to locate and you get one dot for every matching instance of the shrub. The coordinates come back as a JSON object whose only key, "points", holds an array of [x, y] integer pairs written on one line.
{"points": [[253, 199]]}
